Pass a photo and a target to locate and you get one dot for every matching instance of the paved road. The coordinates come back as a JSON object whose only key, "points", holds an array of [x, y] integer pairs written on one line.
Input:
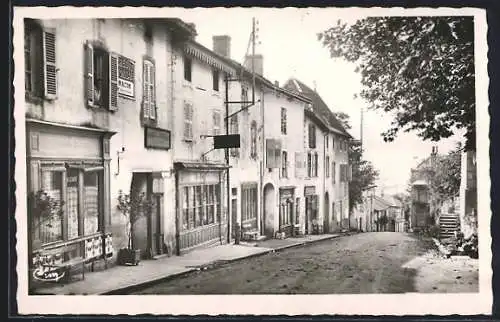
{"points": [[362, 263]]}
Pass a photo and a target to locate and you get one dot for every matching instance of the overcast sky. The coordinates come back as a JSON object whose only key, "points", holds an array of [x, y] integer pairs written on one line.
{"points": [[290, 48]]}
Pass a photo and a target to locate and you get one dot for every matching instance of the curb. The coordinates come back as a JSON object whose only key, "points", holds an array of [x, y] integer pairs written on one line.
{"points": [[129, 288]]}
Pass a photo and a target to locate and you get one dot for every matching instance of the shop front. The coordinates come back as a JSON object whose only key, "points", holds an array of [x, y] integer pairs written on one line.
{"points": [[201, 218], [68, 198], [311, 218], [287, 211]]}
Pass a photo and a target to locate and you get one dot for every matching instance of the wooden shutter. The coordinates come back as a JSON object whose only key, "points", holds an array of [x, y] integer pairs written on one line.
{"points": [[89, 74], [113, 82], [49, 64], [145, 91], [188, 121], [349, 176], [152, 91]]}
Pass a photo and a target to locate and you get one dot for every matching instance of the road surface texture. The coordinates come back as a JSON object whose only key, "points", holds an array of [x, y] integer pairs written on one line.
{"points": [[381, 262]]}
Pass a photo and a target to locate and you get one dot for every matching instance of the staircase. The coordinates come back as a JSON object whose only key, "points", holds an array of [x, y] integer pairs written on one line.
{"points": [[448, 224]]}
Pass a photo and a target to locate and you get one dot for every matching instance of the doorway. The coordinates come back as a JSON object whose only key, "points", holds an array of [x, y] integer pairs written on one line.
{"points": [[269, 210], [326, 214]]}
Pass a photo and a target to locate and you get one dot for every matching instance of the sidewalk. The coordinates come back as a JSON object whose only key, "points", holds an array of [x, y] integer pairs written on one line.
{"points": [[120, 278]]}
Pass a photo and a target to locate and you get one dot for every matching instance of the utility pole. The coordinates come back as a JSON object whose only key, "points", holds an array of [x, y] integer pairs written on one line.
{"points": [[361, 130]]}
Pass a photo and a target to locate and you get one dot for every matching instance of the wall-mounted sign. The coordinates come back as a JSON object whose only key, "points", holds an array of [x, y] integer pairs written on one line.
{"points": [[227, 141], [48, 273], [125, 87], [309, 190], [156, 138]]}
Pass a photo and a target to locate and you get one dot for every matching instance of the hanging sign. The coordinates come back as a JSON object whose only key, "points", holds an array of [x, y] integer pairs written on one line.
{"points": [[227, 141]]}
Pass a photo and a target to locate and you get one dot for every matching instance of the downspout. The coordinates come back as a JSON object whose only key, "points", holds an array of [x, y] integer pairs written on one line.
{"points": [[262, 161], [228, 197], [324, 178]]}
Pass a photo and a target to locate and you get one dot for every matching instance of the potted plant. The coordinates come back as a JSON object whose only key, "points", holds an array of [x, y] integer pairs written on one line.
{"points": [[133, 208]]}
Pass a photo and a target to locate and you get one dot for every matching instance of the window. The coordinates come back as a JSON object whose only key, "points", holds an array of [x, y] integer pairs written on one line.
{"points": [[253, 138], [216, 122], [327, 142], [40, 69], [200, 205], [315, 164], [215, 80], [234, 129], [101, 77], [244, 96], [283, 120], [333, 143], [334, 172], [327, 166], [248, 202], [309, 165], [297, 211], [149, 90], [187, 68], [188, 121], [80, 215], [286, 212], [312, 136], [284, 164]]}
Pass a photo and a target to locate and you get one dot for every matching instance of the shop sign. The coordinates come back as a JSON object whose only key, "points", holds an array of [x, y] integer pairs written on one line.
{"points": [[48, 273], [125, 87], [309, 190], [227, 141], [286, 193], [156, 138]]}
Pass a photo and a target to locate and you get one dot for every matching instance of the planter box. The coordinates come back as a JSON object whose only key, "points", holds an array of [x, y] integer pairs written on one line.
{"points": [[128, 256]]}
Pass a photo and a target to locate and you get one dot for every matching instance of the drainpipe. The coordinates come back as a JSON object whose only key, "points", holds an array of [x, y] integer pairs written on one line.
{"points": [[324, 177], [228, 187], [262, 162]]}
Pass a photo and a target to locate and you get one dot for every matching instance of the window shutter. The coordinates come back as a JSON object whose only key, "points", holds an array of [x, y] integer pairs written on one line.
{"points": [[350, 173], [89, 73], [152, 91], [188, 121], [49, 64], [113, 82], [145, 91]]}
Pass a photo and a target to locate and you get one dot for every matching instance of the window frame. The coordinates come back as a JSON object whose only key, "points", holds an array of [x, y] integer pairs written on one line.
{"points": [[283, 118], [188, 68], [215, 80]]}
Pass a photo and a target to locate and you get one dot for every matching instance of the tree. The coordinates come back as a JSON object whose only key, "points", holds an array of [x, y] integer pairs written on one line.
{"points": [[364, 173], [420, 69]]}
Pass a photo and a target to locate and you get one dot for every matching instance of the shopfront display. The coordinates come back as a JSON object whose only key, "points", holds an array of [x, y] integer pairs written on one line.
{"points": [[286, 211], [311, 219], [201, 213], [68, 180]]}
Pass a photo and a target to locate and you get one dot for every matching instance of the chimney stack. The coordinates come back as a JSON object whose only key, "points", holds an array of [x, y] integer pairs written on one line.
{"points": [[258, 62], [222, 45], [276, 83]]}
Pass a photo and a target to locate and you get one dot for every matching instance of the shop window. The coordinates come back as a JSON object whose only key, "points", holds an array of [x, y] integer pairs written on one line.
{"points": [[40, 69], [51, 229], [200, 206], [248, 202], [79, 190]]}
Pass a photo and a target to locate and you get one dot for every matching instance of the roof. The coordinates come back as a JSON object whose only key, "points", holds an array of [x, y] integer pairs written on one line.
{"points": [[319, 106], [380, 203], [394, 202]]}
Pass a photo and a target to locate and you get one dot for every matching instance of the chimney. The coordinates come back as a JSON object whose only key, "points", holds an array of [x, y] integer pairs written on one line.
{"points": [[258, 62], [222, 45], [276, 83]]}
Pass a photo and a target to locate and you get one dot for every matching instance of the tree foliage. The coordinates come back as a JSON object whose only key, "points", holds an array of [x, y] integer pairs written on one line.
{"points": [[364, 173], [421, 69]]}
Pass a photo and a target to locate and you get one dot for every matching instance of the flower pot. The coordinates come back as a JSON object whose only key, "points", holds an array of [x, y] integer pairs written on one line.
{"points": [[127, 256]]}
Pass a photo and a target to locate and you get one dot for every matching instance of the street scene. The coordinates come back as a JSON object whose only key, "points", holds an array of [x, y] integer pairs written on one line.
{"points": [[362, 263], [186, 155]]}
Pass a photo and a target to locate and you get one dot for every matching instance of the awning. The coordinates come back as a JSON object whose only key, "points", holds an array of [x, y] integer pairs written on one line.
{"points": [[194, 165], [420, 183]]}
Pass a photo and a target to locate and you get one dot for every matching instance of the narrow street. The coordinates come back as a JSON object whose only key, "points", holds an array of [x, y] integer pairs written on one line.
{"points": [[363, 263]]}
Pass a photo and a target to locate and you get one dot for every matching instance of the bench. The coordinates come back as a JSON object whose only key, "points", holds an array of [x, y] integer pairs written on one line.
{"points": [[250, 235]]}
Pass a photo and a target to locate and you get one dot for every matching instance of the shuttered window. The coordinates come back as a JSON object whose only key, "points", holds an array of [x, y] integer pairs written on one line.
{"points": [[40, 61], [253, 140], [334, 172], [327, 166], [149, 90], [234, 129], [312, 136], [188, 121], [283, 120], [101, 77], [216, 120], [284, 164]]}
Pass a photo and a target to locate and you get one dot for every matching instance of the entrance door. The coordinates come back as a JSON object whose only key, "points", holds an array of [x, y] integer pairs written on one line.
{"points": [[269, 210], [156, 217], [234, 215], [326, 214]]}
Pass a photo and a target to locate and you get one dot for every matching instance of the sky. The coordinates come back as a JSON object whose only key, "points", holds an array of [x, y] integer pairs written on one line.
{"points": [[287, 39]]}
